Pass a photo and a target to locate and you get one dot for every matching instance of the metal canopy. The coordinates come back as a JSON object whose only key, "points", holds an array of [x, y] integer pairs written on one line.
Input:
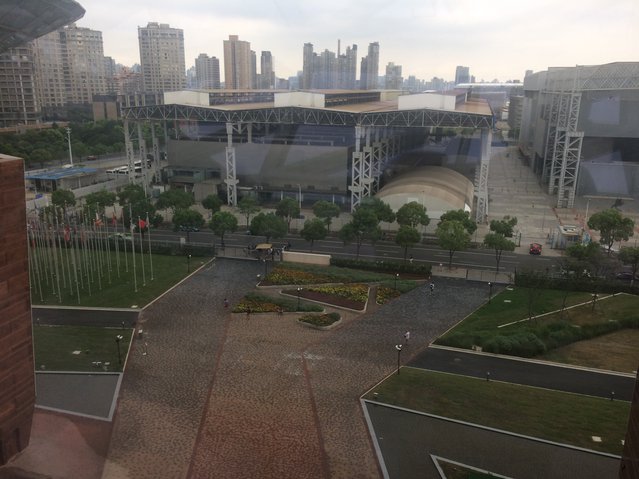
{"points": [[311, 116]]}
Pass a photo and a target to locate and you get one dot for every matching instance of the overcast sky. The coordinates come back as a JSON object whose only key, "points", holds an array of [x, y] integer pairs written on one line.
{"points": [[495, 38]]}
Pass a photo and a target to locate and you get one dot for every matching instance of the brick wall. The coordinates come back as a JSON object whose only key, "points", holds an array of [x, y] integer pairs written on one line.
{"points": [[17, 383]]}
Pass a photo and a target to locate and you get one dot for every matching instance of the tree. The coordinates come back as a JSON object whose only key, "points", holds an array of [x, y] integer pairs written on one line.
{"points": [[412, 214], [288, 209], [459, 215], [630, 255], [382, 210], [406, 237], [326, 211], [504, 226], [62, 198], [187, 219], [364, 225], [248, 206], [499, 243], [99, 200], [612, 226], [223, 222], [268, 225], [314, 229], [212, 202], [134, 202], [452, 236], [174, 199]]}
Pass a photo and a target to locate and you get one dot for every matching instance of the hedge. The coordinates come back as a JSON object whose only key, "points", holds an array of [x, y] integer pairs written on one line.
{"points": [[383, 266]]}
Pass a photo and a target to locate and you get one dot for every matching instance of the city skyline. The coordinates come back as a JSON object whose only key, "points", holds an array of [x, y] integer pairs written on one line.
{"points": [[495, 39]]}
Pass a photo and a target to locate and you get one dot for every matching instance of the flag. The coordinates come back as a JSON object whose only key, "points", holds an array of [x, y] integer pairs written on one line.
{"points": [[141, 224], [67, 233], [114, 220], [98, 221]]}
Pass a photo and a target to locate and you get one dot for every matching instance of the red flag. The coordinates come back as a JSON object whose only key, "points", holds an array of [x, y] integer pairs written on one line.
{"points": [[141, 224], [98, 221], [114, 220], [67, 233]]}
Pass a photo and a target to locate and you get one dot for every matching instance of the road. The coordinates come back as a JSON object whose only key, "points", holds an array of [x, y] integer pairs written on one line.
{"points": [[383, 250]]}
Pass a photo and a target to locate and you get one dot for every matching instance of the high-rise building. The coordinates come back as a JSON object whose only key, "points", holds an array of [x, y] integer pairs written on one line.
{"points": [[50, 69], [109, 74], [253, 73], [18, 100], [462, 75], [207, 72], [369, 69], [347, 69], [83, 59], [267, 76], [162, 57], [393, 80], [237, 64], [307, 67]]}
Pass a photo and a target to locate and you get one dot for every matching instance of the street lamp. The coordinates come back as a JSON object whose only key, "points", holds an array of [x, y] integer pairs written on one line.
{"points": [[490, 291], [265, 268], [119, 338], [299, 290], [299, 196], [188, 263], [396, 276], [399, 355], [69, 141]]}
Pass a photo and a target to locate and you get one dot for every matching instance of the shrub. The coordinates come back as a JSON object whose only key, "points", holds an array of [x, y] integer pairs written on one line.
{"points": [[321, 320], [259, 303], [383, 266]]}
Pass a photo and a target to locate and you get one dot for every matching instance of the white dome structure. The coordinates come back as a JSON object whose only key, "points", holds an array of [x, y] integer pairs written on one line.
{"points": [[438, 189]]}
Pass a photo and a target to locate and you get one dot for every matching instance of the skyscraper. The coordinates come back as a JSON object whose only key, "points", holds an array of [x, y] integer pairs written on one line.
{"points": [[49, 67], [207, 72], [162, 57], [307, 67], [347, 68], [267, 76], [394, 78], [462, 75], [370, 68], [237, 64]]}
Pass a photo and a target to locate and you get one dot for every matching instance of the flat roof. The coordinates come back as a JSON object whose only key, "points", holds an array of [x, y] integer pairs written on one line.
{"points": [[61, 173]]}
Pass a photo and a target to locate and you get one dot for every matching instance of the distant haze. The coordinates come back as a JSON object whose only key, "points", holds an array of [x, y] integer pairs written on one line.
{"points": [[496, 39]]}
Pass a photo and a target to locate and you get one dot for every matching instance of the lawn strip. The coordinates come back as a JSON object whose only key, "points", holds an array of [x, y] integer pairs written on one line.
{"points": [[552, 415]]}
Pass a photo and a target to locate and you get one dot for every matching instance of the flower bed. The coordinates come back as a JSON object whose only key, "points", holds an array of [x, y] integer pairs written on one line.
{"points": [[386, 294], [320, 321], [259, 303], [284, 275], [351, 296]]}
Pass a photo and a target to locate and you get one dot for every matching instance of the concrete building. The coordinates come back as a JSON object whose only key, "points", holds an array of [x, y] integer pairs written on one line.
{"points": [[347, 68], [393, 79], [329, 71], [50, 68], [238, 61], [267, 75], [207, 72], [162, 57], [462, 75], [18, 99], [83, 60], [369, 69], [580, 130]]}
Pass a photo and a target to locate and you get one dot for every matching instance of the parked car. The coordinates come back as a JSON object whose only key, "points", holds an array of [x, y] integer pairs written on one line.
{"points": [[625, 275], [189, 229], [535, 248], [123, 236]]}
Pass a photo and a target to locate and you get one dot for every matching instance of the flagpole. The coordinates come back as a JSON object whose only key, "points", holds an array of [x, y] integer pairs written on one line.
{"points": [[117, 243], [34, 261], [148, 232], [135, 277], [126, 258], [66, 249], [55, 262], [142, 252], [107, 244]]}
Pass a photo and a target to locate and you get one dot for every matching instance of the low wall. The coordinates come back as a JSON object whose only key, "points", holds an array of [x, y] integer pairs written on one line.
{"points": [[306, 258]]}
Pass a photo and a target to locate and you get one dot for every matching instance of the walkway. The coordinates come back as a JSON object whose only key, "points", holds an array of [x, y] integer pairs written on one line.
{"points": [[222, 396]]}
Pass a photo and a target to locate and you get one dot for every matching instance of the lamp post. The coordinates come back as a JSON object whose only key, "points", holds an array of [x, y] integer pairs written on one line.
{"points": [[299, 196], [188, 263], [299, 290], [399, 355], [396, 277], [119, 338], [490, 291], [69, 142], [265, 268]]}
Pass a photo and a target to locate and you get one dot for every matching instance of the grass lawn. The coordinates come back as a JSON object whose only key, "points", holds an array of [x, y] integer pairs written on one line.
{"points": [[618, 351], [552, 415], [54, 347], [120, 291]]}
